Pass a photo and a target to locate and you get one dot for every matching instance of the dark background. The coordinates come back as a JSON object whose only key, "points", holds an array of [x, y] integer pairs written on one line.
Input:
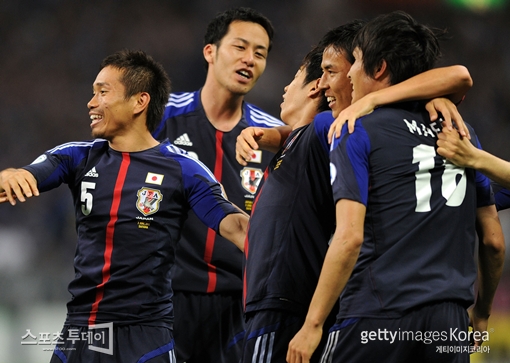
{"points": [[50, 51]]}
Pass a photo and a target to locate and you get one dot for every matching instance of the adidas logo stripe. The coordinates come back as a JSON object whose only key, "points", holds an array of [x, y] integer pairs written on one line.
{"points": [[92, 173], [183, 140]]}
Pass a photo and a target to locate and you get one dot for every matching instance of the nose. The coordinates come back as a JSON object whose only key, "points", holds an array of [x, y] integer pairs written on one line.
{"points": [[249, 57], [92, 103], [323, 84]]}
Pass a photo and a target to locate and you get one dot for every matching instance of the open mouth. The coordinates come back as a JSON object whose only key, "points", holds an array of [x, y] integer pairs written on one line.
{"points": [[244, 74], [95, 119]]}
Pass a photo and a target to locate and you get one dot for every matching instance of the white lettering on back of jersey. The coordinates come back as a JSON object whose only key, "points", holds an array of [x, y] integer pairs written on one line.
{"points": [[421, 129]]}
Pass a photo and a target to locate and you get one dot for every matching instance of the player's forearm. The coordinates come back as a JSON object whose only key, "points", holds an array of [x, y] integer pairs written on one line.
{"points": [[273, 138], [337, 268], [234, 228], [491, 257], [452, 82], [493, 167]]}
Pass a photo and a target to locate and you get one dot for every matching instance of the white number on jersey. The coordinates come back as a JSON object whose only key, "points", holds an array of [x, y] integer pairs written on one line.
{"points": [[453, 193], [86, 197]]}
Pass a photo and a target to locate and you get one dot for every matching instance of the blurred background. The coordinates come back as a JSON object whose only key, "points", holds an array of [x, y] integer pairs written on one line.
{"points": [[50, 51]]}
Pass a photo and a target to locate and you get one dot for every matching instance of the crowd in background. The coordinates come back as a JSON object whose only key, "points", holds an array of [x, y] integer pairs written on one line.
{"points": [[49, 52]]}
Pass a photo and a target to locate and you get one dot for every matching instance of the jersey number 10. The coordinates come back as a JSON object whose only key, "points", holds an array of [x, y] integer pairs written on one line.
{"points": [[453, 191]]}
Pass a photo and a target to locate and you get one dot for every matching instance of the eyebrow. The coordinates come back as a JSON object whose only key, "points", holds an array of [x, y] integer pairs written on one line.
{"points": [[100, 84], [247, 42]]}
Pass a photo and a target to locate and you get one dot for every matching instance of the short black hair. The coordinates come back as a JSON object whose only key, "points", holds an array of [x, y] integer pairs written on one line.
{"points": [[141, 73], [341, 38], [409, 48], [311, 64]]}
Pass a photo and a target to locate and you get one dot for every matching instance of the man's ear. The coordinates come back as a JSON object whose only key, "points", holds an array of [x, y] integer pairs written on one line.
{"points": [[382, 71], [314, 89], [209, 51], [142, 102]]}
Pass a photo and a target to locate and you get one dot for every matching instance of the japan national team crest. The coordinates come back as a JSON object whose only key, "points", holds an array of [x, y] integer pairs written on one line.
{"points": [[148, 200], [250, 179]]}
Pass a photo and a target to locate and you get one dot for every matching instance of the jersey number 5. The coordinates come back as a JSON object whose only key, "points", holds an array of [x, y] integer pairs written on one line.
{"points": [[86, 197], [453, 191]]}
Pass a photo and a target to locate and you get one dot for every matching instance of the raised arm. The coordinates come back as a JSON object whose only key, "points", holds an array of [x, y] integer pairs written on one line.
{"points": [[451, 82], [253, 138], [17, 184], [491, 256]]}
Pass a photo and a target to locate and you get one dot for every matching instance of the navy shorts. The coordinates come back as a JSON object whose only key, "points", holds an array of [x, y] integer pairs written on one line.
{"points": [[434, 333], [103, 343], [268, 334], [208, 328]]}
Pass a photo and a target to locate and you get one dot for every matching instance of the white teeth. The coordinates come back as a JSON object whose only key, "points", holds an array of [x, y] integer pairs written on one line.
{"points": [[330, 99], [95, 117], [244, 73]]}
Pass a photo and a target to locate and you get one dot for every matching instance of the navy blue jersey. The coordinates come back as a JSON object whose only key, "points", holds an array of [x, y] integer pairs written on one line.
{"points": [[502, 196], [292, 223], [130, 208], [420, 217], [206, 262]]}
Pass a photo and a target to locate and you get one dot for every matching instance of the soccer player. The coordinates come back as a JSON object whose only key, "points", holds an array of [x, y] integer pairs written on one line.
{"points": [[293, 218], [131, 196], [207, 275], [402, 252]]}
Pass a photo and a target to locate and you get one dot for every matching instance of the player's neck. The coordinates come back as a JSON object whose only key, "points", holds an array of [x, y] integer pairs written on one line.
{"points": [[133, 141], [306, 116], [222, 107]]}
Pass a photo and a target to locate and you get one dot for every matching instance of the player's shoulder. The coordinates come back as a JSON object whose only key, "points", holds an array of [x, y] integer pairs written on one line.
{"points": [[324, 118], [79, 146], [180, 103], [255, 116], [189, 165]]}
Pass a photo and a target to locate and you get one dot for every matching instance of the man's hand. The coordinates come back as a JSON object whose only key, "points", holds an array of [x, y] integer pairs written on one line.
{"points": [[362, 107], [304, 343], [459, 150], [451, 116], [479, 324], [247, 141], [17, 184]]}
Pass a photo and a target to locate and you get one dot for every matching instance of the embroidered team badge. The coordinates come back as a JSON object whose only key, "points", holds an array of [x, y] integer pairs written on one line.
{"points": [[148, 201], [250, 179]]}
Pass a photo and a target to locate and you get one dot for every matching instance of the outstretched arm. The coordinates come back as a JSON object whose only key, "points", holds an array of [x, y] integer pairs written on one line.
{"points": [[462, 152], [234, 228], [491, 256], [17, 184], [253, 138], [340, 259], [451, 82]]}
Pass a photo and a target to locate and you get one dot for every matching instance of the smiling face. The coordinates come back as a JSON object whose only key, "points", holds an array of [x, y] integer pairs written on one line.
{"points": [[240, 58], [362, 84], [334, 80], [111, 113]]}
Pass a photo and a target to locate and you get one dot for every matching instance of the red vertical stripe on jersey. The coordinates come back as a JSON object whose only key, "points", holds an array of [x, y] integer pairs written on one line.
{"points": [[211, 234], [110, 229]]}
